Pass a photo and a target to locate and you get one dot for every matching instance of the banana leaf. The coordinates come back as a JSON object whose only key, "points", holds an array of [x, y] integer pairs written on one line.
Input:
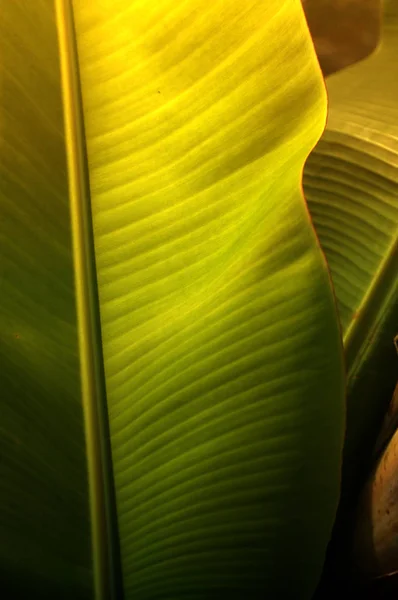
{"points": [[172, 381], [351, 185]]}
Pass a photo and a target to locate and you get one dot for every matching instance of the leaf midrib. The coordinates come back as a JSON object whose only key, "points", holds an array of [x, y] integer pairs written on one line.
{"points": [[105, 543]]}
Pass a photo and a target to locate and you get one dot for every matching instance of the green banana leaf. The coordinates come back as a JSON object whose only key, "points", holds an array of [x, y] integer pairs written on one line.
{"points": [[351, 184], [171, 366]]}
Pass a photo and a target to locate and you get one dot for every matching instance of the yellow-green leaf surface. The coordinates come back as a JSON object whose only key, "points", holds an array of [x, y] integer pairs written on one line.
{"points": [[199, 285], [351, 184]]}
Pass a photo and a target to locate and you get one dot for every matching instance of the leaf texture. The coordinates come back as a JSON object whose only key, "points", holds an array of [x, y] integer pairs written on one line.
{"points": [[221, 346], [219, 334], [351, 184]]}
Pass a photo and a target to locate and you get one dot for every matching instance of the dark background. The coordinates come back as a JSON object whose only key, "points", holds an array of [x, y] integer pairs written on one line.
{"points": [[343, 31]]}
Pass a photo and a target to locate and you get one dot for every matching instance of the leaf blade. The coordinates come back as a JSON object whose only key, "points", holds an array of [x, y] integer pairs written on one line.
{"points": [[44, 522], [351, 185], [180, 158]]}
